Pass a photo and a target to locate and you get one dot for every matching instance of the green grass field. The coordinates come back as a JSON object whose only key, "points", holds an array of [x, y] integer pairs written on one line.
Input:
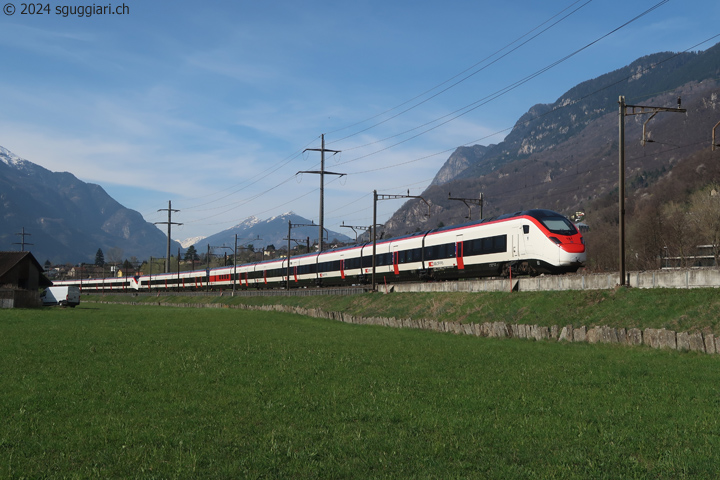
{"points": [[675, 309], [159, 392]]}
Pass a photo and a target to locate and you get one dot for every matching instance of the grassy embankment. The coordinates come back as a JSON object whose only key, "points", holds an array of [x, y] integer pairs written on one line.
{"points": [[674, 309], [115, 391]]}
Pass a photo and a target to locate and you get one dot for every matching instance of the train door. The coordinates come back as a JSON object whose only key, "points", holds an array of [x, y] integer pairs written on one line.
{"points": [[515, 245], [459, 252], [396, 259], [342, 266], [527, 239], [521, 240]]}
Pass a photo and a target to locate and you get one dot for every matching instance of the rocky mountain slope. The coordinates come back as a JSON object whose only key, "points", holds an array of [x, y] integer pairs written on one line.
{"points": [[68, 219], [564, 155]]}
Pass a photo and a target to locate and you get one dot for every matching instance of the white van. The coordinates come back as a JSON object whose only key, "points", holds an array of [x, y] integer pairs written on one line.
{"points": [[61, 295]]}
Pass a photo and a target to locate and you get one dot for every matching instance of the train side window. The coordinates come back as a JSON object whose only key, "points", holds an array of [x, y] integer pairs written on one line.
{"points": [[487, 244], [367, 261], [526, 229], [500, 243]]}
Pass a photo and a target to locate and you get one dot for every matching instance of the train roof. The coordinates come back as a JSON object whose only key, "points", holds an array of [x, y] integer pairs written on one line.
{"points": [[537, 213]]}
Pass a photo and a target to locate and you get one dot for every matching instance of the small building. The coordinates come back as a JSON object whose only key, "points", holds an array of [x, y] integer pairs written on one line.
{"points": [[21, 277]]}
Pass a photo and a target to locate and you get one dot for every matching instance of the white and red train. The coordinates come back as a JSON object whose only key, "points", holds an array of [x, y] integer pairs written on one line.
{"points": [[530, 242]]}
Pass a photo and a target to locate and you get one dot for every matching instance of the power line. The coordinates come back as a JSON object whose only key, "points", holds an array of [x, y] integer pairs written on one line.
{"points": [[169, 224], [528, 121], [22, 242], [293, 156], [459, 74], [252, 181], [322, 172], [501, 92]]}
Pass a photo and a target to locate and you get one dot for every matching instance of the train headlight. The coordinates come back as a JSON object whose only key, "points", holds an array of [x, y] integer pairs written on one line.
{"points": [[555, 240]]}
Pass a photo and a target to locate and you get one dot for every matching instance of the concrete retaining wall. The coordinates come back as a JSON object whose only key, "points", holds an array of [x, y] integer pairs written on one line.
{"points": [[705, 278], [651, 337]]}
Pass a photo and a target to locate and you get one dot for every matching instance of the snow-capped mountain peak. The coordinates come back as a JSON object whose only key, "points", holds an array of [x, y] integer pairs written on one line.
{"points": [[190, 241], [282, 215], [248, 222], [10, 158]]}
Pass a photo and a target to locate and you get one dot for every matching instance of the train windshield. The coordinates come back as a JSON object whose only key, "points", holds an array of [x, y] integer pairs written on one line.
{"points": [[559, 225], [553, 221]]}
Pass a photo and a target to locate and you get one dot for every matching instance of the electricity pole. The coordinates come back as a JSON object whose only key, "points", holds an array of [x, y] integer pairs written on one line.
{"points": [[626, 111], [234, 265], [322, 173], [469, 202], [354, 227], [377, 197], [22, 243], [178, 270], [289, 238], [169, 223]]}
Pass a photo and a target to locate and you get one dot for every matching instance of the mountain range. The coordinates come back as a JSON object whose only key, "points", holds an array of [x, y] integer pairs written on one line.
{"points": [[564, 155], [272, 231], [68, 220]]}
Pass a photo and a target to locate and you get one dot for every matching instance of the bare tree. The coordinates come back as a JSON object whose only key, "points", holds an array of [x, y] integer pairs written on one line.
{"points": [[705, 210], [115, 255], [645, 236], [602, 246], [678, 232]]}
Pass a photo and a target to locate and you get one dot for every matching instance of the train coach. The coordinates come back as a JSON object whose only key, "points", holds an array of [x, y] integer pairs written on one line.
{"points": [[530, 242]]}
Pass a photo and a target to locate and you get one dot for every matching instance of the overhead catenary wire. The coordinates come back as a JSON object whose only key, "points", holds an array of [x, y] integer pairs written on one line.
{"points": [[530, 120], [458, 113], [247, 183], [497, 52], [415, 160], [574, 102]]}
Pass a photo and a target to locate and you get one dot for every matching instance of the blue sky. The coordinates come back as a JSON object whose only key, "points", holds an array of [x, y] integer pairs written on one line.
{"points": [[211, 104]]}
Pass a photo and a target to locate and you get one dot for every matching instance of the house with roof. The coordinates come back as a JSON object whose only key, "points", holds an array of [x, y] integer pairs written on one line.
{"points": [[21, 277]]}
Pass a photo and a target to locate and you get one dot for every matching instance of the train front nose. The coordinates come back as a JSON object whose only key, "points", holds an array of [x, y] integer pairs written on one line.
{"points": [[571, 252]]}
